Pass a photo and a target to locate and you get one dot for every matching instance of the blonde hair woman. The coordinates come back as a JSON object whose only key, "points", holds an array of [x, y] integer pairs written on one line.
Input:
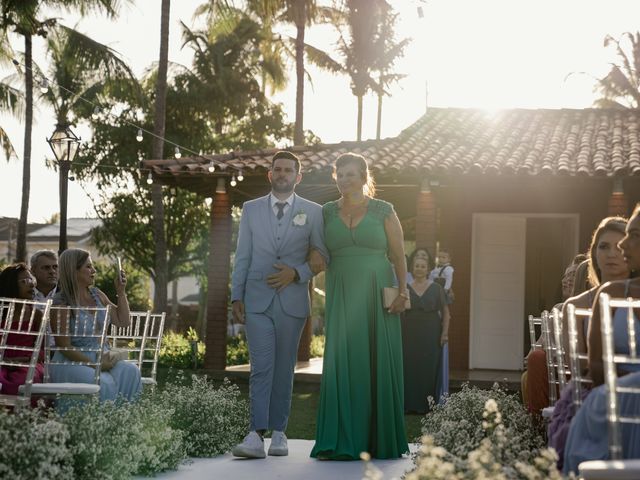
{"points": [[75, 289]]}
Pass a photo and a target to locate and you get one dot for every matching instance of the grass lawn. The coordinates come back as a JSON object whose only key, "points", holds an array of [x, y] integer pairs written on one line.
{"points": [[304, 406]]}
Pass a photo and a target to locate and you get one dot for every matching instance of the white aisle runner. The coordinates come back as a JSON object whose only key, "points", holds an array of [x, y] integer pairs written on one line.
{"points": [[298, 465]]}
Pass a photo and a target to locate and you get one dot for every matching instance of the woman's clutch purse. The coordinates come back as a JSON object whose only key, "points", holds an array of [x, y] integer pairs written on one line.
{"points": [[389, 294]]}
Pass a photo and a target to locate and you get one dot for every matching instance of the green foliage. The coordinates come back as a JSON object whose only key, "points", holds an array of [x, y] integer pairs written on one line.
{"points": [[103, 440], [137, 284], [176, 350], [317, 346], [460, 424], [212, 419], [237, 350], [34, 445]]}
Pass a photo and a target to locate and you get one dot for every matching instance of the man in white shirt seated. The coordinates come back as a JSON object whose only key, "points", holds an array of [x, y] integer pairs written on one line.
{"points": [[44, 266]]}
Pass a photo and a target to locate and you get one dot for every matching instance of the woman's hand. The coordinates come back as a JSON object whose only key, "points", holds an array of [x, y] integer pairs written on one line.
{"points": [[120, 282], [398, 305], [107, 362]]}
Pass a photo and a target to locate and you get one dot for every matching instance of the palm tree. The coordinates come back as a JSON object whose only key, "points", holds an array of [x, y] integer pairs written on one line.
{"points": [[23, 17], [620, 88], [157, 148], [80, 69], [300, 13], [388, 50]]}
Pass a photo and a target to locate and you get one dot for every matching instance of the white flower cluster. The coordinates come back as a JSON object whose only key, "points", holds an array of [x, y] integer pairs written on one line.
{"points": [[482, 434], [213, 419]]}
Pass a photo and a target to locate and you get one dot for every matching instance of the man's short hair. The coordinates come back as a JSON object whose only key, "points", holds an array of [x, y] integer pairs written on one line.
{"points": [[42, 253], [288, 155]]}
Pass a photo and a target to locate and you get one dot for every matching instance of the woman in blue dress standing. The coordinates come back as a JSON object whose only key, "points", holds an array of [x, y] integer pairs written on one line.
{"points": [[75, 289]]}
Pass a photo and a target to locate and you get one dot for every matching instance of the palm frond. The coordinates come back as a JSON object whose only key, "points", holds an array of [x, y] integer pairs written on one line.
{"points": [[6, 145]]}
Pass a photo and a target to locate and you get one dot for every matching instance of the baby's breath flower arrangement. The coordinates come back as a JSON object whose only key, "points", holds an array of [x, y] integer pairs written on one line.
{"points": [[459, 425], [499, 455], [212, 419], [34, 445]]}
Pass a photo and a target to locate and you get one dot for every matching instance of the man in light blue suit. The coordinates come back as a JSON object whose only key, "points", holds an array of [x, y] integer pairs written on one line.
{"points": [[270, 293]]}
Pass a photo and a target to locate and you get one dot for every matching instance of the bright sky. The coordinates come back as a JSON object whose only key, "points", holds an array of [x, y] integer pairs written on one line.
{"points": [[471, 53]]}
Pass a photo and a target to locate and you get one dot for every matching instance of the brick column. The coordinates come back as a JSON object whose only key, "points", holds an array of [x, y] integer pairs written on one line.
{"points": [[426, 224], [618, 202], [218, 278]]}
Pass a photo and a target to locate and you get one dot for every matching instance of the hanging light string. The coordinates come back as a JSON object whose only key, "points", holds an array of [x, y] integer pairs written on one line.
{"points": [[44, 83]]}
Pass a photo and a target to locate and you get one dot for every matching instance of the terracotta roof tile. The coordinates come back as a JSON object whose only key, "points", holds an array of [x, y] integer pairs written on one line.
{"points": [[589, 142]]}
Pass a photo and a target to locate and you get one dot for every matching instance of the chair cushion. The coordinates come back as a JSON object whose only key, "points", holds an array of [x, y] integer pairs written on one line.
{"points": [[64, 388], [610, 469]]}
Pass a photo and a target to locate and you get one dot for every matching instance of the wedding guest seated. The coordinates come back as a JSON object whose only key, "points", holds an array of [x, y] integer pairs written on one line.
{"points": [[17, 282], [75, 288], [605, 264], [588, 438], [536, 380]]}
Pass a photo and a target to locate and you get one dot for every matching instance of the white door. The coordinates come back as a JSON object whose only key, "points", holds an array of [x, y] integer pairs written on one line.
{"points": [[497, 291]]}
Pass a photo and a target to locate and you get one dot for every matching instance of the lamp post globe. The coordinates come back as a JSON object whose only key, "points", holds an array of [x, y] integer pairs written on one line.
{"points": [[64, 144]]}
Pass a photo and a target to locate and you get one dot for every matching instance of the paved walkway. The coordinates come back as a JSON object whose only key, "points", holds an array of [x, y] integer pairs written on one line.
{"points": [[298, 465]]}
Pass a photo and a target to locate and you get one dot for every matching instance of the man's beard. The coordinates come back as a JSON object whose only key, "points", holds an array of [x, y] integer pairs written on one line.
{"points": [[282, 187]]}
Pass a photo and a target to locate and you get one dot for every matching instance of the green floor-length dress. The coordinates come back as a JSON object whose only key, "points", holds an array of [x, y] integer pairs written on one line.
{"points": [[361, 396]]}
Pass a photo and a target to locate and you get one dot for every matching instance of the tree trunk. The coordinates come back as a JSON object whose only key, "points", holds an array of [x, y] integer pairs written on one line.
{"points": [[359, 129], [21, 246], [161, 266], [379, 120], [301, 16]]}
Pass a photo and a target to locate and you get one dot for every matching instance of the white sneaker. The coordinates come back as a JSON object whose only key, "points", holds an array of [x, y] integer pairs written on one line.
{"points": [[278, 447], [251, 447]]}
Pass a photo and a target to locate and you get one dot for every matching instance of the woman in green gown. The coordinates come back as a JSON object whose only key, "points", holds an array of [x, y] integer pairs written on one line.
{"points": [[361, 396]]}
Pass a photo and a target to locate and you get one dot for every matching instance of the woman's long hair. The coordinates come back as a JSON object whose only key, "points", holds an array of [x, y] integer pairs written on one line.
{"points": [[69, 263], [608, 224], [351, 158], [9, 280]]}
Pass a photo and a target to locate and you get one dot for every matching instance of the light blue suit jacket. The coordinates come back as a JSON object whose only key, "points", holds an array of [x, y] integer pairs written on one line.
{"points": [[259, 249]]}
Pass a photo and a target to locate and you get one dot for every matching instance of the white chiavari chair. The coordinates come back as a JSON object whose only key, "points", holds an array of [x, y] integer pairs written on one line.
{"points": [[151, 348], [129, 341], [85, 329], [535, 323], [617, 417], [577, 360], [559, 358], [27, 319], [546, 323]]}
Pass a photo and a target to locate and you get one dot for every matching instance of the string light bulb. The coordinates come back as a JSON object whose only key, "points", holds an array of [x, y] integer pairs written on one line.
{"points": [[233, 182], [139, 135], [240, 176], [96, 113], [149, 179], [44, 85], [177, 153], [212, 167]]}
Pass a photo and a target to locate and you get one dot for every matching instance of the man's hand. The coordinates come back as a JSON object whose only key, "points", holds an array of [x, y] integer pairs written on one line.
{"points": [[316, 261], [237, 309], [284, 277], [444, 338]]}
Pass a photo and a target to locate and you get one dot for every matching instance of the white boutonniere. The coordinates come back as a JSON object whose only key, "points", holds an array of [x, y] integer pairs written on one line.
{"points": [[300, 219]]}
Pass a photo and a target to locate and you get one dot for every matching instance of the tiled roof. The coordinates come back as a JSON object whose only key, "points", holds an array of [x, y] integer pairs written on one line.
{"points": [[448, 141], [77, 228]]}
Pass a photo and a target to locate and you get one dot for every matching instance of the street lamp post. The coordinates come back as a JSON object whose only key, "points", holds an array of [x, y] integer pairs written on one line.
{"points": [[64, 144]]}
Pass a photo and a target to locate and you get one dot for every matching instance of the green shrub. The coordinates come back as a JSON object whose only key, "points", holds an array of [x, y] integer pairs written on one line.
{"points": [[317, 346], [161, 446], [103, 440], [34, 445], [237, 350], [212, 419], [175, 350]]}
